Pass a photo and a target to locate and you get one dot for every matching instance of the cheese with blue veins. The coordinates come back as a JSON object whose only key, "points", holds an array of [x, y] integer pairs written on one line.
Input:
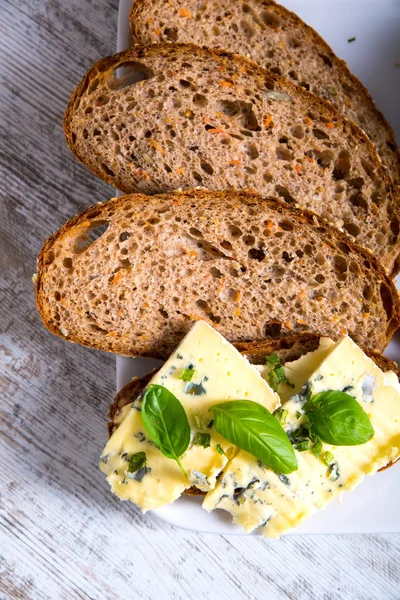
{"points": [[221, 373], [254, 495]]}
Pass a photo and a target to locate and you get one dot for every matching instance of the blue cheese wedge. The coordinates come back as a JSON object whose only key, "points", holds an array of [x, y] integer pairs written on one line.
{"points": [[218, 372], [254, 495], [257, 497]]}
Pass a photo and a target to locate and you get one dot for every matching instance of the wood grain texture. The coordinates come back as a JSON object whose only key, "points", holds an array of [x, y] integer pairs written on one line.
{"points": [[62, 535]]}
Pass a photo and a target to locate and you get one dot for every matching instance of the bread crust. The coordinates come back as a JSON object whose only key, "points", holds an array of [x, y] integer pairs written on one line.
{"points": [[103, 211]]}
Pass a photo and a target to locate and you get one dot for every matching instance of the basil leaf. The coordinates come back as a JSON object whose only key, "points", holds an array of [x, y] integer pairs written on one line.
{"points": [[252, 428], [166, 423], [338, 419], [317, 448], [137, 461]]}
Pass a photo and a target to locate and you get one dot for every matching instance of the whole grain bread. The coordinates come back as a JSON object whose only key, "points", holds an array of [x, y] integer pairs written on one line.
{"points": [[277, 39], [133, 274], [288, 348], [208, 118]]}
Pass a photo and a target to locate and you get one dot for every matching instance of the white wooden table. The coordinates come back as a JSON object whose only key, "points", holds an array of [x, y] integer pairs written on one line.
{"points": [[62, 534]]}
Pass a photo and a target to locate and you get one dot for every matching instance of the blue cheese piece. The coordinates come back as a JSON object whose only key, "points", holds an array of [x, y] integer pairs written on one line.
{"points": [[257, 497], [340, 366], [217, 372]]}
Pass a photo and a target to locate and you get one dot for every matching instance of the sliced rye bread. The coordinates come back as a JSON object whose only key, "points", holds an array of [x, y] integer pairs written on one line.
{"points": [[277, 39], [288, 348], [254, 268], [208, 118]]}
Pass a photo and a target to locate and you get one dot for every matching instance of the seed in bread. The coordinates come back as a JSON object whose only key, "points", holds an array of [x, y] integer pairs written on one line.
{"points": [[253, 267], [205, 118]]}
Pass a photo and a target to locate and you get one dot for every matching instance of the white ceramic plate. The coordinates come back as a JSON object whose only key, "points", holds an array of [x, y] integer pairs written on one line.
{"points": [[373, 506]]}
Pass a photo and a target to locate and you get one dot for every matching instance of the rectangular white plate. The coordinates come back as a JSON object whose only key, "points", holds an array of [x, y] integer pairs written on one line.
{"points": [[373, 506]]}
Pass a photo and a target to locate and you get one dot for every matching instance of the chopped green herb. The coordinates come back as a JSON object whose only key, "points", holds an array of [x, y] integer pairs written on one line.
{"points": [[202, 439], [317, 448], [296, 433], [281, 415], [331, 90], [353, 39], [220, 449], [303, 446], [280, 371], [273, 380], [328, 458], [137, 461], [187, 374], [299, 434], [313, 436], [273, 360], [277, 373], [199, 422], [298, 414]]}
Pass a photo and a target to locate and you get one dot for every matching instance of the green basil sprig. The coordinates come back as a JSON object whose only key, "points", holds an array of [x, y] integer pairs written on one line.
{"points": [[338, 419], [166, 423], [252, 428]]}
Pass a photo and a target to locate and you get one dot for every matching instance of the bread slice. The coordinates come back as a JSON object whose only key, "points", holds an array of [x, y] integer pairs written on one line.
{"points": [[288, 348], [252, 267], [277, 39], [205, 118]]}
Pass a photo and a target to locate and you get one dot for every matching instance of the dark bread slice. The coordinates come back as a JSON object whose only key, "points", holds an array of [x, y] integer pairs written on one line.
{"points": [[277, 39], [209, 118], [288, 348], [252, 267]]}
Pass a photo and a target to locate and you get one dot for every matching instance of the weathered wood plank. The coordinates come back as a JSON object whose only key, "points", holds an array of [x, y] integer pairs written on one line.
{"points": [[62, 534]]}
